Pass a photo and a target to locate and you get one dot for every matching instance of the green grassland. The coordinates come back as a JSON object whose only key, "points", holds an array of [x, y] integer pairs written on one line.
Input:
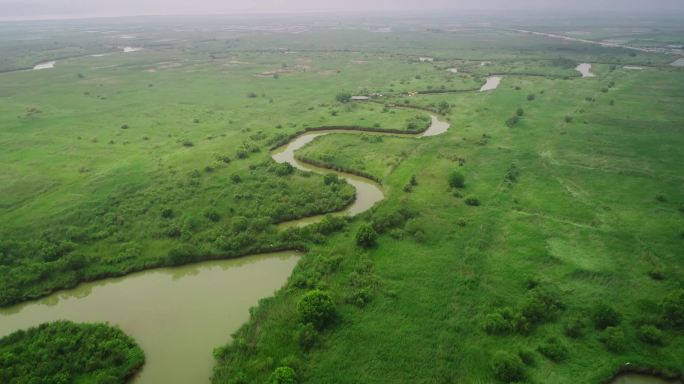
{"points": [[161, 157]]}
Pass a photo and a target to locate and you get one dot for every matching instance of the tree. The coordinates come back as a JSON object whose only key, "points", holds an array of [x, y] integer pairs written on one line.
{"points": [[508, 367], [553, 349], [605, 316], [472, 201], [283, 375], [366, 236], [650, 334], [443, 107], [614, 339], [343, 97], [317, 308], [520, 112], [512, 121], [456, 180]]}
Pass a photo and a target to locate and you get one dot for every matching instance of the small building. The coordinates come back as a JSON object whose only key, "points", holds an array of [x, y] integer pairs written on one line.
{"points": [[360, 98], [426, 59]]}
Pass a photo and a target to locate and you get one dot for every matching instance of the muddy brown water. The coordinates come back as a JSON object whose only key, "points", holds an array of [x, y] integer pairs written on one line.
{"points": [[176, 315]]}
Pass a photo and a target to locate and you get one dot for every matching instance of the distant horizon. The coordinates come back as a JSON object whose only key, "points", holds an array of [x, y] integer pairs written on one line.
{"points": [[360, 14], [56, 10]]}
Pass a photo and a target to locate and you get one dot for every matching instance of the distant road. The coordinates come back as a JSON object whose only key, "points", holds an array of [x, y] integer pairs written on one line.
{"points": [[602, 43]]}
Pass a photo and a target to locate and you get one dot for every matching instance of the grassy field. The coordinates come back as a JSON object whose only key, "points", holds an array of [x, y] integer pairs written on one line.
{"points": [[161, 157]]}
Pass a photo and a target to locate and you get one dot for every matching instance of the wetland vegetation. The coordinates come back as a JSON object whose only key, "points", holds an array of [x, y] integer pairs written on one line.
{"points": [[519, 219]]}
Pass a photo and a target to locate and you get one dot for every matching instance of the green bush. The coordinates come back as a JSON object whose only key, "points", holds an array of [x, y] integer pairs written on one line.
{"points": [[553, 349], [614, 339], [508, 367], [605, 316], [66, 352], [505, 321], [307, 336], [472, 201], [575, 327], [512, 121], [543, 304], [283, 375], [366, 236], [456, 180], [527, 356], [343, 97], [212, 214], [673, 308], [167, 213], [317, 308], [651, 334], [520, 112]]}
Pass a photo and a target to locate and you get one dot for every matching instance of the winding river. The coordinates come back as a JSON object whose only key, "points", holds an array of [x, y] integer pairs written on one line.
{"points": [[368, 192], [179, 315]]}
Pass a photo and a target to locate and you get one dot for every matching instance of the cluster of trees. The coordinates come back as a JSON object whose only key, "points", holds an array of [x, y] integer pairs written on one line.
{"points": [[418, 123], [545, 305], [34, 264], [64, 352]]}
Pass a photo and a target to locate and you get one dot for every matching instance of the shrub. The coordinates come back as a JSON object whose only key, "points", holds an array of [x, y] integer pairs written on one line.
{"points": [[167, 213], [331, 178], [187, 143], [661, 198], [506, 321], [527, 356], [495, 324], [283, 375], [512, 121], [543, 305], [605, 316], [366, 236], [553, 349], [568, 119], [650, 334], [472, 201], [508, 367], [343, 97], [414, 182], [575, 327], [183, 253], [520, 112], [317, 308], [614, 339], [456, 180], [212, 214], [252, 95], [235, 178], [673, 308], [531, 97], [307, 336], [124, 126]]}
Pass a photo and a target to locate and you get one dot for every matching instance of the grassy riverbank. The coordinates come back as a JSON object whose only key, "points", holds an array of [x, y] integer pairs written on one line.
{"points": [[582, 211], [562, 249]]}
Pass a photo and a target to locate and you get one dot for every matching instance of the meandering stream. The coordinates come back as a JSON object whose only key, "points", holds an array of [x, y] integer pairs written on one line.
{"points": [[179, 315], [368, 192]]}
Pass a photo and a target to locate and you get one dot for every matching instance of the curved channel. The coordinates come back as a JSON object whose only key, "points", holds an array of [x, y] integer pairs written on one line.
{"points": [[368, 192]]}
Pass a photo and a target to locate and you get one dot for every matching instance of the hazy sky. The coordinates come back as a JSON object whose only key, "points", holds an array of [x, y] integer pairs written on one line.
{"points": [[11, 9]]}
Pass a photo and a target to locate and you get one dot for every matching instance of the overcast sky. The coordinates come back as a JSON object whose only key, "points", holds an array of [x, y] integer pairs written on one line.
{"points": [[29, 9]]}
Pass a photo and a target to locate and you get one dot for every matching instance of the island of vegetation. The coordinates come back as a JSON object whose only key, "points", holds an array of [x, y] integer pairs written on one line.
{"points": [[64, 352]]}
